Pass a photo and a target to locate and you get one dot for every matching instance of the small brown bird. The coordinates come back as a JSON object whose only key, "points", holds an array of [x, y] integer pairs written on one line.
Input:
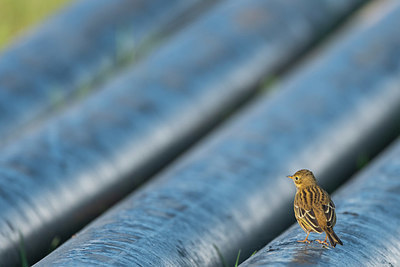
{"points": [[313, 208]]}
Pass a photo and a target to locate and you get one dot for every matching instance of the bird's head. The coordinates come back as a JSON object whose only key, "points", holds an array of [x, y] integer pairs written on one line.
{"points": [[303, 179]]}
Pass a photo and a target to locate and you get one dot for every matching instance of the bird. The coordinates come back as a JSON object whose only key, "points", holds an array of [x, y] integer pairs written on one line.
{"points": [[313, 208]]}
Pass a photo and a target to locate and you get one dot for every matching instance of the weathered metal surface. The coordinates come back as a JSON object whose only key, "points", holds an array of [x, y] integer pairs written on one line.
{"points": [[231, 192], [76, 50], [368, 224], [81, 161]]}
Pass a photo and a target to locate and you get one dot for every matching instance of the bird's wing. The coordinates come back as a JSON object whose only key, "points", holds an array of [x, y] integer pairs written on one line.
{"points": [[329, 211], [307, 219]]}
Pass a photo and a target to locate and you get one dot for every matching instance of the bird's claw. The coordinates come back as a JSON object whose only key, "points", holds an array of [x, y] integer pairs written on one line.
{"points": [[304, 241], [324, 242]]}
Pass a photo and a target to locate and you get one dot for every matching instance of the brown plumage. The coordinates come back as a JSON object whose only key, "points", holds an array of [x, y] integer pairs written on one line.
{"points": [[313, 208]]}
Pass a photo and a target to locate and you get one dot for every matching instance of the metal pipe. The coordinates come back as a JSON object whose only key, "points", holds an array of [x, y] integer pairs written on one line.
{"points": [[73, 52], [85, 159], [231, 191]]}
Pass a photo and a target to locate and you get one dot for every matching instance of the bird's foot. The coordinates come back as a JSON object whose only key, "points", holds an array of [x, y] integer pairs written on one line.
{"points": [[304, 241], [323, 242]]}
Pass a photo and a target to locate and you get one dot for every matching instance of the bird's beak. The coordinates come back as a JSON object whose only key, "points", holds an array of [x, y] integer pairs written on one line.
{"points": [[290, 176]]}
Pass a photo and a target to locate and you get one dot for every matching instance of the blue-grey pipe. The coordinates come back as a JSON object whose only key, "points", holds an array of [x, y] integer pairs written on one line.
{"points": [[231, 192], [75, 50], [81, 161]]}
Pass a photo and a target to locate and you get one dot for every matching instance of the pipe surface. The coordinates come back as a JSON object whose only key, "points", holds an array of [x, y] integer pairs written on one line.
{"points": [[231, 191], [75, 50], [85, 159], [368, 223]]}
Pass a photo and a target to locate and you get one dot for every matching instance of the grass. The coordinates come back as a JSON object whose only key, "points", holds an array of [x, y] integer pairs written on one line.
{"points": [[362, 160], [16, 16], [54, 244], [22, 252], [224, 264], [237, 259]]}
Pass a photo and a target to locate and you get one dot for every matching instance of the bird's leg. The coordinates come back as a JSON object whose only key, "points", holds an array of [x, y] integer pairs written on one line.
{"points": [[305, 240], [323, 242]]}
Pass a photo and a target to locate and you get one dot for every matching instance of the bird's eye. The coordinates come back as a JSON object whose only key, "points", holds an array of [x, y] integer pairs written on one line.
{"points": [[296, 178]]}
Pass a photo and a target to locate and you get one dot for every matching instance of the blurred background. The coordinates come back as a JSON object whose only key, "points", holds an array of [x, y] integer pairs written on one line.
{"points": [[19, 16], [167, 128]]}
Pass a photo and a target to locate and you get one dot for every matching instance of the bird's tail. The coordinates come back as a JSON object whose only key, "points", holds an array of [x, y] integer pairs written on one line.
{"points": [[333, 238]]}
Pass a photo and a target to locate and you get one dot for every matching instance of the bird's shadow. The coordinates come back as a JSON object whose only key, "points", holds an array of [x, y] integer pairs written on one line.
{"points": [[300, 253], [306, 254]]}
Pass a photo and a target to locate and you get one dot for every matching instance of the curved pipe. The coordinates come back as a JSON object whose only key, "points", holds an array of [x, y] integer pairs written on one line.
{"points": [[92, 154], [231, 191], [73, 52]]}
